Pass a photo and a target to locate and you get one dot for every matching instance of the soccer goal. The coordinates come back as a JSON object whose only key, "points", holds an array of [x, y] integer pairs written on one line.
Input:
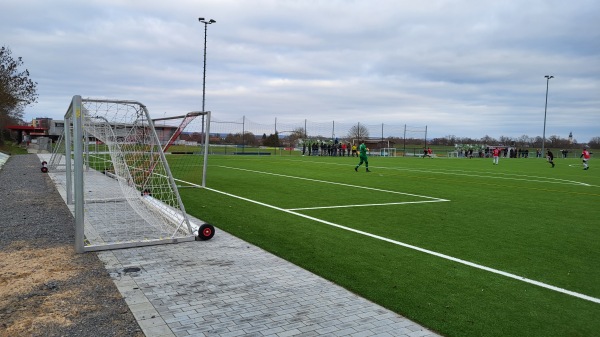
{"points": [[415, 139], [387, 152], [120, 183]]}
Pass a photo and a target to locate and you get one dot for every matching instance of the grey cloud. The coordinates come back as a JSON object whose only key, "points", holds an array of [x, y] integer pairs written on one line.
{"points": [[461, 67]]}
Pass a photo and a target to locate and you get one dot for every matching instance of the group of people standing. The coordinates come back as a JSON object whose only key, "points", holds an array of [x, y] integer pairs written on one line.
{"points": [[338, 149], [341, 149]]}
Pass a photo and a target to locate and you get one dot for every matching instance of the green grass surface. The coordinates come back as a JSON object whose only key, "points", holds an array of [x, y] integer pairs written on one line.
{"points": [[12, 149], [520, 217]]}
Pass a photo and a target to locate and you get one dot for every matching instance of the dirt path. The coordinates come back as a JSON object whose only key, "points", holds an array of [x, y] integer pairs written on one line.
{"points": [[46, 289]]}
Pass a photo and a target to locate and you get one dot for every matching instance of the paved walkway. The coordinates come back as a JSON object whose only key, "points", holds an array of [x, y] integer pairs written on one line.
{"points": [[228, 287]]}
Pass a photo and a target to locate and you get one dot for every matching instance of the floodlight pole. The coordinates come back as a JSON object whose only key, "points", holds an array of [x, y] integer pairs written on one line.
{"points": [[548, 77], [206, 23]]}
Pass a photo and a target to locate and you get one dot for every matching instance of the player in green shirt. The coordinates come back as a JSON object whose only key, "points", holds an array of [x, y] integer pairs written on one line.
{"points": [[363, 157]]}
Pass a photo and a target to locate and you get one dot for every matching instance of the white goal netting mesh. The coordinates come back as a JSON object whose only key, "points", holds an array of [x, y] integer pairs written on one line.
{"points": [[58, 160], [183, 140], [129, 195]]}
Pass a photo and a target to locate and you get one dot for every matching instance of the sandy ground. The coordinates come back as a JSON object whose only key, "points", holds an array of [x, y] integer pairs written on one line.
{"points": [[46, 289], [52, 291]]}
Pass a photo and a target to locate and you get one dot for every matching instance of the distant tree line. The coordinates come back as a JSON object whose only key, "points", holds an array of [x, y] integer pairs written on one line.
{"points": [[524, 141], [294, 138]]}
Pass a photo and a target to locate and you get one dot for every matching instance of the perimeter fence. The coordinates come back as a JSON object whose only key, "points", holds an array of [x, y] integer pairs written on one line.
{"points": [[245, 133]]}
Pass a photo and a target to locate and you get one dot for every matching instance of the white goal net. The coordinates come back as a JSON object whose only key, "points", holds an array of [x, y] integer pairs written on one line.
{"points": [[185, 142], [121, 186], [387, 152], [57, 160]]}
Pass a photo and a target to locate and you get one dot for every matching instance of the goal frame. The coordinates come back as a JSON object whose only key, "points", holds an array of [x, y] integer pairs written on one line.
{"points": [[75, 182], [387, 152]]}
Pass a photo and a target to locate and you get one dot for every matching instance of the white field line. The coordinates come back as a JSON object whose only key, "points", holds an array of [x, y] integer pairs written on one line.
{"points": [[331, 182], [505, 176], [527, 178], [364, 205], [426, 251]]}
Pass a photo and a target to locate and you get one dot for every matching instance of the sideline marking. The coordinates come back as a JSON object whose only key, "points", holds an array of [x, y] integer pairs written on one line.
{"points": [[406, 245]]}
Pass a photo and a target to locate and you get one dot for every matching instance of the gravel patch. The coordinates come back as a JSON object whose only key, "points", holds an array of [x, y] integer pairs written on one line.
{"points": [[46, 289]]}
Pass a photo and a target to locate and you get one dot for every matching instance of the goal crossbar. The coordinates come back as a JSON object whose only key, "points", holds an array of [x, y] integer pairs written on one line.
{"points": [[187, 119]]}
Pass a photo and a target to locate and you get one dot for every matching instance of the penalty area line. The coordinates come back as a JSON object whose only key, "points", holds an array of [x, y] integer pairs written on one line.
{"points": [[365, 205], [333, 183], [423, 250]]}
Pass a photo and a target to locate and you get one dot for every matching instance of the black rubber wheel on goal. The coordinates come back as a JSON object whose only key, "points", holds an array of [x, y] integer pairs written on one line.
{"points": [[44, 169], [44, 163], [206, 232]]}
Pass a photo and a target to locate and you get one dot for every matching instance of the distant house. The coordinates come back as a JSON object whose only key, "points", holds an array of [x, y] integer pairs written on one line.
{"points": [[27, 132]]}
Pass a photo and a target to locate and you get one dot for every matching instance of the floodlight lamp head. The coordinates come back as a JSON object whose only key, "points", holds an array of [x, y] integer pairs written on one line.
{"points": [[549, 76], [203, 20]]}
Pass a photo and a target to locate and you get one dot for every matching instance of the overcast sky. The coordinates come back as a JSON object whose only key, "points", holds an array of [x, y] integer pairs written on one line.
{"points": [[466, 68]]}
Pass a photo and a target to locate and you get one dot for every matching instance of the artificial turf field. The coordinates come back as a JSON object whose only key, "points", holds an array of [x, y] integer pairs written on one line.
{"points": [[461, 246]]}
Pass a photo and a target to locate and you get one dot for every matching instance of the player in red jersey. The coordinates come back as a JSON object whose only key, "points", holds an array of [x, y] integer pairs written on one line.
{"points": [[586, 156], [496, 154]]}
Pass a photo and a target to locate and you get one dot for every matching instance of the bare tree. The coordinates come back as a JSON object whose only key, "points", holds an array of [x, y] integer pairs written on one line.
{"points": [[295, 135], [358, 132], [467, 140], [451, 139], [505, 140], [594, 143], [488, 140], [524, 140], [558, 142]]}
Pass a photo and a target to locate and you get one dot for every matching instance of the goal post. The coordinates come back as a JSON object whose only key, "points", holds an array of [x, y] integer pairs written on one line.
{"points": [[120, 184]]}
